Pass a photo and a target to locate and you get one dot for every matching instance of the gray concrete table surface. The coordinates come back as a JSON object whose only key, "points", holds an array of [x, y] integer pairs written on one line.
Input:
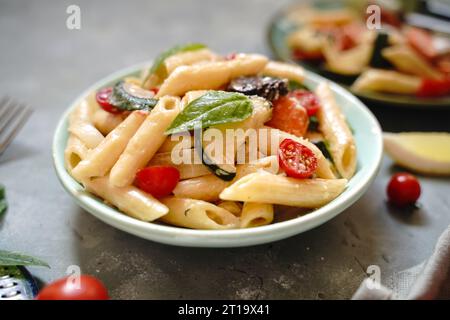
{"points": [[46, 65]]}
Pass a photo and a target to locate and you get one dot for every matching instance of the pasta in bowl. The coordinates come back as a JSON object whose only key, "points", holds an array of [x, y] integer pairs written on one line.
{"points": [[199, 149]]}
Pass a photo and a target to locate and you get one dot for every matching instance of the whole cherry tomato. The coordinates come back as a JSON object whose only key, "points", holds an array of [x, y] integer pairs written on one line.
{"points": [[297, 160], [159, 181], [103, 99], [403, 189], [84, 288]]}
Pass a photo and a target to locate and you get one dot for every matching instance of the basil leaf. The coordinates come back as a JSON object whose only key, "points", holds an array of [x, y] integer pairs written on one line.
{"points": [[170, 52], [214, 107], [8, 258], [3, 203]]}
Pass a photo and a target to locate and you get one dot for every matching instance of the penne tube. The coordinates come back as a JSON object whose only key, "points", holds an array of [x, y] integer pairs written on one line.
{"points": [[274, 137], [170, 64], [75, 152], [105, 121], [333, 125], [256, 214], [101, 159], [284, 70], [349, 62], [188, 58], [231, 206], [197, 214], [386, 81], [187, 170], [209, 187], [145, 142], [80, 122], [405, 59], [210, 75], [264, 187], [130, 200]]}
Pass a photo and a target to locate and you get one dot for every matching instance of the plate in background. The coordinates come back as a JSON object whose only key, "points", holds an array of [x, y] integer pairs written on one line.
{"points": [[280, 27]]}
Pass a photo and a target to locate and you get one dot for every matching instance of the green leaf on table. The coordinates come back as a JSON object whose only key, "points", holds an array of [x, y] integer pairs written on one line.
{"points": [[213, 108], [3, 203], [9, 258], [159, 60]]}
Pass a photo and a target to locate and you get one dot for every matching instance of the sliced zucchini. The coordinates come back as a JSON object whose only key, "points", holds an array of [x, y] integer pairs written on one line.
{"points": [[224, 171], [129, 96]]}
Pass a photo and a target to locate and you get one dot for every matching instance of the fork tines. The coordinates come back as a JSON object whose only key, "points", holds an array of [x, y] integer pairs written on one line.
{"points": [[13, 116]]}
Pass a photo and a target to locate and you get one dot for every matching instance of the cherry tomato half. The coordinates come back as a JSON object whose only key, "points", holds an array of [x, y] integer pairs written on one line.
{"points": [[87, 288], [159, 181], [434, 87], [403, 189], [304, 55], [290, 116], [103, 98], [307, 99], [297, 160]]}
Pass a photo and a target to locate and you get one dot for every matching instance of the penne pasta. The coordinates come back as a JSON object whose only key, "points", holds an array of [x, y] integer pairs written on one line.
{"points": [[264, 187], [101, 159], [197, 214], [406, 60], [105, 121], [231, 206], [139, 150], [209, 187], [75, 152], [333, 125], [284, 70], [211, 75], [130, 200], [386, 81], [256, 214], [186, 58], [80, 123]]}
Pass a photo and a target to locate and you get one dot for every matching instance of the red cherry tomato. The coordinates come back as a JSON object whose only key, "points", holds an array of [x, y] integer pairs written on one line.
{"points": [[307, 99], [88, 288], [103, 98], [403, 189], [434, 87], [297, 160], [159, 181], [290, 116]]}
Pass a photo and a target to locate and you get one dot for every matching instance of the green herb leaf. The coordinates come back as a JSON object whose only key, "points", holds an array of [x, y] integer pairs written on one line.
{"points": [[213, 108], [9, 258], [3, 203], [170, 52]]}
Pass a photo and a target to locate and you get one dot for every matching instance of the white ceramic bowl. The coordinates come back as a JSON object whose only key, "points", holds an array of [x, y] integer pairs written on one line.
{"points": [[368, 138]]}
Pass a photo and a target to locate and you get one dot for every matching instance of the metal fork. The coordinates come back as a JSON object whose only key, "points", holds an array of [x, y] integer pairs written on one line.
{"points": [[13, 116]]}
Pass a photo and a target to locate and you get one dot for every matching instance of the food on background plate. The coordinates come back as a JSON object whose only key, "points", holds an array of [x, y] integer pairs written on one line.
{"points": [[422, 152], [396, 59], [205, 141]]}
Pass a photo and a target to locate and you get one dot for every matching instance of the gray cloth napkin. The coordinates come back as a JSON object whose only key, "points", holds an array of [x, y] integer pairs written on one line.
{"points": [[428, 280]]}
